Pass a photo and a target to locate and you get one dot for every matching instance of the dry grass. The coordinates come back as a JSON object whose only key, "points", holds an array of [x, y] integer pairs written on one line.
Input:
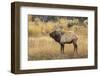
{"points": [[42, 47]]}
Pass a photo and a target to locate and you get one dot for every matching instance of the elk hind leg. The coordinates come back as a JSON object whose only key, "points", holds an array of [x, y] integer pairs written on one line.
{"points": [[75, 47]]}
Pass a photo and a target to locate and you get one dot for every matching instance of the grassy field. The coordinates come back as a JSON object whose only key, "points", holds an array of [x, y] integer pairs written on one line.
{"points": [[42, 47]]}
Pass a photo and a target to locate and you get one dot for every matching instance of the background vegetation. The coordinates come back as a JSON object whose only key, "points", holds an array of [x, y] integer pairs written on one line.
{"points": [[42, 47]]}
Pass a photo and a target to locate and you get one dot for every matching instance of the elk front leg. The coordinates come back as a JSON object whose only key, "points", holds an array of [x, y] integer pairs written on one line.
{"points": [[62, 48]]}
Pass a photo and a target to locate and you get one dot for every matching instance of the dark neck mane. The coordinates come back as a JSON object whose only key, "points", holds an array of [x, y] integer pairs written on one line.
{"points": [[57, 38]]}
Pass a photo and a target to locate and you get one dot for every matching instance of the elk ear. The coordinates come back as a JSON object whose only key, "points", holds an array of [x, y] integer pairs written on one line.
{"points": [[62, 33]]}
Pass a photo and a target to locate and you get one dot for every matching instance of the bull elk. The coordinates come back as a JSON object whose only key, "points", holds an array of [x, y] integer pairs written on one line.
{"points": [[65, 38]]}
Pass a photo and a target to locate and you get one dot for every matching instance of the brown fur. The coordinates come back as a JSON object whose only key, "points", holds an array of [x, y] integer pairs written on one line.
{"points": [[65, 38]]}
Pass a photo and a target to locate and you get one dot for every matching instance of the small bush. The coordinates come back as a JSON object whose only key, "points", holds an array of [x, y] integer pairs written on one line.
{"points": [[34, 31], [72, 22]]}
